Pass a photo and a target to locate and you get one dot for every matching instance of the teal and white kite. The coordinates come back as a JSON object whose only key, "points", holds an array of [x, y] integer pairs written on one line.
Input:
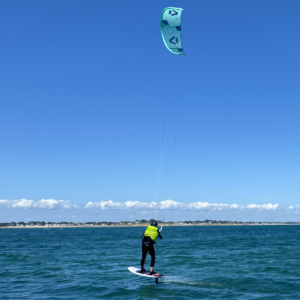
{"points": [[170, 26]]}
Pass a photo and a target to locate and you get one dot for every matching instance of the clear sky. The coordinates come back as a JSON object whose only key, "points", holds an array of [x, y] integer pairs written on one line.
{"points": [[88, 92]]}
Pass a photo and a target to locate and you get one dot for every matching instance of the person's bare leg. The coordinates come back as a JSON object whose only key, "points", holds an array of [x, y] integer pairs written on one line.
{"points": [[151, 269]]}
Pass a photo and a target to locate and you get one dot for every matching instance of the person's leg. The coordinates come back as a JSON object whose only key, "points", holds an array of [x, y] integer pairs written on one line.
{"points": [[152, 253], [144, 254]]}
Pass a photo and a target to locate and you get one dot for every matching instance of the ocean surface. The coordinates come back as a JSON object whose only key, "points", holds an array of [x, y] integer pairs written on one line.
{"points": [[225, 262]]}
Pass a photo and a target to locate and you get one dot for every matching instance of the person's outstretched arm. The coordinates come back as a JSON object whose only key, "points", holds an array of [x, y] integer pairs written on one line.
{"points": [[159, 235]]}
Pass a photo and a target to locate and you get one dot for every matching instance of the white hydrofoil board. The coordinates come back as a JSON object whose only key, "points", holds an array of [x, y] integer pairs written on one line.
{"points": [[146, 274]]}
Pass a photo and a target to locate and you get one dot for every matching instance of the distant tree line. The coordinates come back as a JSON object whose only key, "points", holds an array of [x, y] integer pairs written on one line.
{"points": [[137, 222]]}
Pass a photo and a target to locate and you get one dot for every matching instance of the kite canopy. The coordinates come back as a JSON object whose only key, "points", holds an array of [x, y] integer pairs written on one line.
{"points": [[170, 26]]}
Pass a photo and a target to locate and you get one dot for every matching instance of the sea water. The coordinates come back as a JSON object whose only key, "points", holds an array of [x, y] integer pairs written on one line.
{"points": [[200, 262]]}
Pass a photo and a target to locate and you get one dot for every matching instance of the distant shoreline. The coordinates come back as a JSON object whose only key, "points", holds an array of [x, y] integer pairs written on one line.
{"points": [[141, 225]]}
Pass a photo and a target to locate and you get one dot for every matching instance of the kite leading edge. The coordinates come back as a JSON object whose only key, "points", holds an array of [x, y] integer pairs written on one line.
{"points": [[170, 26]]}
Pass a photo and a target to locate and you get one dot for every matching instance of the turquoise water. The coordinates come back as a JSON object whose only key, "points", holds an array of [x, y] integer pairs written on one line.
{"points": [[234, 262]]}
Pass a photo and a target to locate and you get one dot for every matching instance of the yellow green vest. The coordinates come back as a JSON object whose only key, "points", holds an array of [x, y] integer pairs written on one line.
{"points": [[151, 231]]}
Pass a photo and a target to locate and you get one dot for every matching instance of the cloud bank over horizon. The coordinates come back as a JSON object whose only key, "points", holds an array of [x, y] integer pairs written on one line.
{"points": [[51, 210], [173, 205], [41, 204]]}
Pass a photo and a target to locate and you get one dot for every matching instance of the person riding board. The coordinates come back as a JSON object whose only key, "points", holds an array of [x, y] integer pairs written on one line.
{"points": [[149, 239]]}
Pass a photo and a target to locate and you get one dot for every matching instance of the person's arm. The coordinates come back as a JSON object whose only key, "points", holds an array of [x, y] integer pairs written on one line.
{"points": [[159, 235]]}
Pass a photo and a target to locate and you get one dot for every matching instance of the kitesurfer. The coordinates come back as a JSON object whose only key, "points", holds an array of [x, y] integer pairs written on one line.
{"points": [[149, 239]]}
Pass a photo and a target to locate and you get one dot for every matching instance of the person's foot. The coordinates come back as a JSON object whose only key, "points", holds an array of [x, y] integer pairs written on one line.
{"points": [[142, 270], [151, 273]]}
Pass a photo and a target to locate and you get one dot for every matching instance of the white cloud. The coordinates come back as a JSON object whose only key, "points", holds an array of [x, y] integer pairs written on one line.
{"points": [[41, 204], [137, 205], [173, 205], [51, 209], [118, 205]]}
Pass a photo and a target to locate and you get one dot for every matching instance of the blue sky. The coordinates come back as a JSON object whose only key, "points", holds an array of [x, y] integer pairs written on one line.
{"points": [[88, 92]]}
